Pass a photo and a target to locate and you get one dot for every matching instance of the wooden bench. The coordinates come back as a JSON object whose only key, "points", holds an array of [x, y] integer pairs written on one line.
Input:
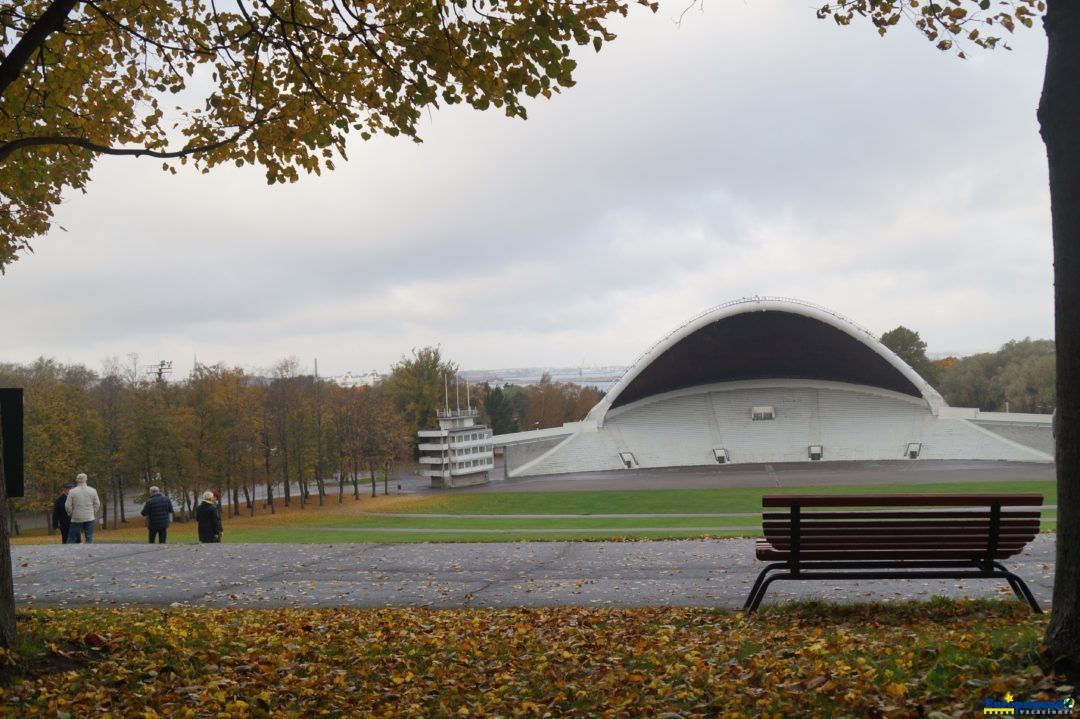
{"points": [[894, 536]]}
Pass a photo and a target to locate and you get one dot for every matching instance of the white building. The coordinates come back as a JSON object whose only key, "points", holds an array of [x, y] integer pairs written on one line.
{"points": [[459, 453], [350, 380], [769, 379]]}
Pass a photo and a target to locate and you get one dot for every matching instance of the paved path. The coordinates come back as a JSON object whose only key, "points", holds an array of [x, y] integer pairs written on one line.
{"points": [[778, 475], [673, 573]]}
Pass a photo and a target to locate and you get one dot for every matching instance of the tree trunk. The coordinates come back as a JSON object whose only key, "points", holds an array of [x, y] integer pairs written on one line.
{"points": [[116, 501], [7, 578], [285, 474], [120, 497], [1059, 109]]}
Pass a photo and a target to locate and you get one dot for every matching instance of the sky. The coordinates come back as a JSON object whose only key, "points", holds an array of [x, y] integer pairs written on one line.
{"points": [[749, 149]]}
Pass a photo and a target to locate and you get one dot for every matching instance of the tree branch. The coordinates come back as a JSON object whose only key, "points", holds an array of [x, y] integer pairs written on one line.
{"points": [[50, 21], [9, 147]]}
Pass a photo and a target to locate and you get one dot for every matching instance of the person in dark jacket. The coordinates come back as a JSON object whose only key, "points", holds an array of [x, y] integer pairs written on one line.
{"points": [[60, 518], [158, 513], [209, 519]]}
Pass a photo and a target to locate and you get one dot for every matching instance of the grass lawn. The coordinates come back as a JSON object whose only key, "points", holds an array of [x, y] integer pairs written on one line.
{"points": [[501, 517], [937, 659], [676, 501]]}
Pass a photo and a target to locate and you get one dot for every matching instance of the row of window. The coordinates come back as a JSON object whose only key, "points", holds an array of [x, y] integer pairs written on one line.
{"points": [[474, 463], [469, 450], [471, 437]]}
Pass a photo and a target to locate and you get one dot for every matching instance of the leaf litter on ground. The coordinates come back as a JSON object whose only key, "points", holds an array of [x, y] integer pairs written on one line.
{"points": [[939, 658]]}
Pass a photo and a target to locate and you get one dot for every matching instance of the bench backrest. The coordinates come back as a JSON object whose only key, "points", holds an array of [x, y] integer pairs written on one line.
{"points": [[913, 526]]}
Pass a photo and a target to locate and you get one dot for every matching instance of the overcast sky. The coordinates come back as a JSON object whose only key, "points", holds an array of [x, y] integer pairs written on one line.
{"points": [[752, 150]]}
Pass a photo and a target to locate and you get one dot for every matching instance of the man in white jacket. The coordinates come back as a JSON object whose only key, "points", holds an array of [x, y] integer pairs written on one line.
{"points": [[83, 505]]}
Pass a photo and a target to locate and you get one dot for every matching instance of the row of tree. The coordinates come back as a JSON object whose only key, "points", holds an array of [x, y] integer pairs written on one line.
{"points": [[1019, 377], [221, 428], [281, 437]]}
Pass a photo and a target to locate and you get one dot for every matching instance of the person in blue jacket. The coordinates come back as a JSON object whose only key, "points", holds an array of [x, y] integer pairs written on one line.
{"points": [[158, 513]]}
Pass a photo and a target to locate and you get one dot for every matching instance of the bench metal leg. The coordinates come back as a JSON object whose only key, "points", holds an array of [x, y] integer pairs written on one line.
{"points": [[761, 586], [755, 600], [1020, 588], [757, 585]]}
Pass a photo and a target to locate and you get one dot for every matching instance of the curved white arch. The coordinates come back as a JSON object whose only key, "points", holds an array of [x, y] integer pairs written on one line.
{"points": [[764, 304]]}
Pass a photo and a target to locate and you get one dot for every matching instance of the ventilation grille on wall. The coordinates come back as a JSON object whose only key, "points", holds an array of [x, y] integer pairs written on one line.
{"points": [[762, 413]]}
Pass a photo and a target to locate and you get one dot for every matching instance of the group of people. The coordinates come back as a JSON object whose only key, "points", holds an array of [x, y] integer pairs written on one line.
{"points": [[75, 512]]}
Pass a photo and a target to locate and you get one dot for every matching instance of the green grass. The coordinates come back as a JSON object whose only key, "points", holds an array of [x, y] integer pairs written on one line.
{"points": [[557, 516], [374, 536], [501, 524], [679, 501]]}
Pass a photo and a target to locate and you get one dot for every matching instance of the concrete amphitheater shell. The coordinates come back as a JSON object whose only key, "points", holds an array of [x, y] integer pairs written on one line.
{"points": [[769, 380]]}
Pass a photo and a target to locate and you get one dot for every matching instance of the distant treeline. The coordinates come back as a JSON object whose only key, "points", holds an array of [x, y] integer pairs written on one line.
{"points": [[1019, 377], [283, 434]]}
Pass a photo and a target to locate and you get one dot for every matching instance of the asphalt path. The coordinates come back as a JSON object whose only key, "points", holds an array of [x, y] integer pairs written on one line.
{"points": [[712, 573], [709, 573], [779, 475]]}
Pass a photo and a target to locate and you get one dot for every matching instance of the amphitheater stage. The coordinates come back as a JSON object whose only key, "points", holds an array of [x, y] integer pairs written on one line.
{"points": [[780, 475]]}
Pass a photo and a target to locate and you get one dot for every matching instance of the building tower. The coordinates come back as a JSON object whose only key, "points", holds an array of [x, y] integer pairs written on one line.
{"points": [[460, 452]]}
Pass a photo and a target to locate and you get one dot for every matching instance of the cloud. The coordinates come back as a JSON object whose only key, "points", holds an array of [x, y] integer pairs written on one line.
{"points": [[750, 150]]}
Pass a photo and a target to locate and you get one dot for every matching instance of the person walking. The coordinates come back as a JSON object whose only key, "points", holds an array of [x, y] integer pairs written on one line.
{"points": [[60, 518], [158, 512], [82, 505], [209, 519]]}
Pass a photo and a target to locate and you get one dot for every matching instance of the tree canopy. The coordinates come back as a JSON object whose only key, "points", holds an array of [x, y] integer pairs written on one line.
{"points": [[275, 83], [422, 385], [910, 347], [1020, 377]]}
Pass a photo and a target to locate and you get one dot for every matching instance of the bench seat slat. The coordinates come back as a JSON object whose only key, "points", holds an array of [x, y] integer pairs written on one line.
{"points": [[867, 554], [973, 548], [900, 500], [901, 541], [1007, 525], [807, 540], [910, 514], [900, 531]]}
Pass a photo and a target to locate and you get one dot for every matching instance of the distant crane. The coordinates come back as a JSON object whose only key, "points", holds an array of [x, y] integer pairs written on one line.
{"points": [[160, 369]]}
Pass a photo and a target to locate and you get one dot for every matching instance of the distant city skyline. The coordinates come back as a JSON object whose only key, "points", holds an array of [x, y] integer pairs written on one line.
{"points": [[176, 371]]}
